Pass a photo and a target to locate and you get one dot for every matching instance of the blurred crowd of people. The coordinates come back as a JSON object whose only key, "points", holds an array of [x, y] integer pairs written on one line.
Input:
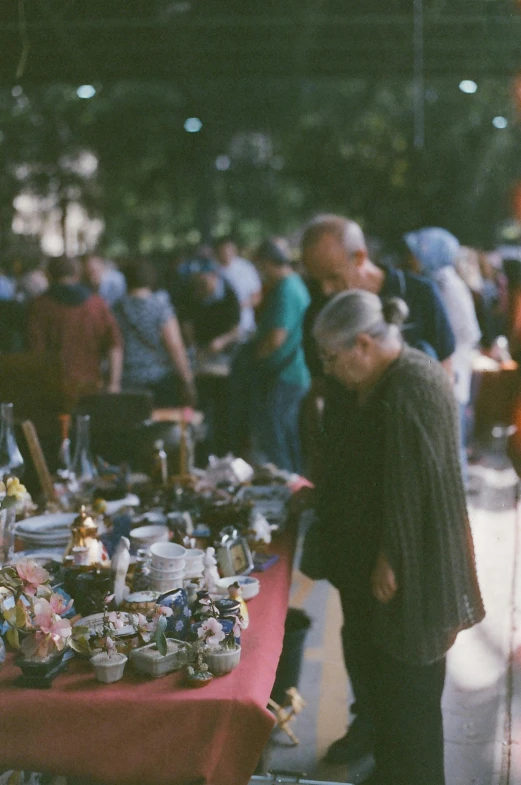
{"points": [[233, 335]]}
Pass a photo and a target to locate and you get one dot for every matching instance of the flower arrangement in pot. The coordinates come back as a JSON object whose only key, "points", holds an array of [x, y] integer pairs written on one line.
{"points": [[34, 616], [109, 663], [215, 652]]}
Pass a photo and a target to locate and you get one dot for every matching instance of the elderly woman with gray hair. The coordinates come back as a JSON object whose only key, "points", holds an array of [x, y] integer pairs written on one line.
{"points": [[394, 531]]}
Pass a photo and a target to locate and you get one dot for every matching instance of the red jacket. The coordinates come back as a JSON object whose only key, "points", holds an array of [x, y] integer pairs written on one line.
{"points": [[78, 327]]}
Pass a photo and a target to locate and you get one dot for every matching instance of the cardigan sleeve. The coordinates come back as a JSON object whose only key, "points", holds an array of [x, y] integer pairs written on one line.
{"points": [[426, 534]]}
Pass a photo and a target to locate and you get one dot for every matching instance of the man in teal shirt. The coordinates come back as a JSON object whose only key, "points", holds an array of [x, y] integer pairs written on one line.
{"points": [[281, 377]]}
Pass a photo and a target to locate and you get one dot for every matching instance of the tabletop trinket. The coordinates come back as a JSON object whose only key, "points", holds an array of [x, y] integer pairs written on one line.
{"points": [[235, 592], [149, 660], [211, 573], [109, 663], [84, 534], [233, 553], [141, 602]]}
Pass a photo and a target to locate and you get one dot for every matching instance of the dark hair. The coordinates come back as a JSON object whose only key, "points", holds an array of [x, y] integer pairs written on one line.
{"points": [[395, 310], [61, 267], [140, 273], [270, 251], [223, 240]]}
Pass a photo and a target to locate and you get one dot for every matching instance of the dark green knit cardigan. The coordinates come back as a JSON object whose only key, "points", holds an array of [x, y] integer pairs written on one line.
{"points": [[425, 529]]}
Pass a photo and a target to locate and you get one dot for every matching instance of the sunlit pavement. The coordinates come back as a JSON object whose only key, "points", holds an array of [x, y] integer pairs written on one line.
{"points": [[482, 699]]}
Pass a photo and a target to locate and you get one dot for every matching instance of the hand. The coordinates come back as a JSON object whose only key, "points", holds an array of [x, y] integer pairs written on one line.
{"points": [[383, 580], [215, 346]]}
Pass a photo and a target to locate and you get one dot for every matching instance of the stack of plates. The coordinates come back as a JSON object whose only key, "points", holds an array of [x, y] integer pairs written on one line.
{"points": [[45, 531]]}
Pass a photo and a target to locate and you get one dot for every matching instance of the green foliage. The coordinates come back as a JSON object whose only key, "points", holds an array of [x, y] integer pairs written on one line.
{"points": [[342, 145]]}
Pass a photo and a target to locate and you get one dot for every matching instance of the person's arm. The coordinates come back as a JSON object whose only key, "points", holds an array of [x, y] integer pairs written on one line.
{"points": [[220, 343], [447, 365], [173, 341], [115, 358], [272, 341]]}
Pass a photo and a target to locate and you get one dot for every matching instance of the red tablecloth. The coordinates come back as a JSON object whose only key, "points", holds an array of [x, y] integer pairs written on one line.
{"points": [[142, 730]]}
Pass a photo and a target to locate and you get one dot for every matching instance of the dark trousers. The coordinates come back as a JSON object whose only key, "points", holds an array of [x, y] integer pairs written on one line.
{"points": [[399, 703], [275, 423]]}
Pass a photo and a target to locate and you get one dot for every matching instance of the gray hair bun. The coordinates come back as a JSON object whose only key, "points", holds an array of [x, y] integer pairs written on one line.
{"points": [[395, 311]]}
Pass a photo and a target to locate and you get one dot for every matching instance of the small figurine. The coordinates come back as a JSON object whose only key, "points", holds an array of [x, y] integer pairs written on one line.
{"points": [[120, 564], [235, 593], [293, 705], [259, 531], [211, 573]]}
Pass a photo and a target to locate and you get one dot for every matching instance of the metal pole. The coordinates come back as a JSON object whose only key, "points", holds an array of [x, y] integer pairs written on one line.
{"points": [[419, 82]]}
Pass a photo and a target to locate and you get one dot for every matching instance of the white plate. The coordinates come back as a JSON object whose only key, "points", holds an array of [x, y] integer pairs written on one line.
{"points": [[94, 624], [114, 506], [250, 586], [55, 524], [39, 556]]}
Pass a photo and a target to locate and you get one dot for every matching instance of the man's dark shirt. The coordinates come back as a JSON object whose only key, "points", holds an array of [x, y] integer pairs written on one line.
{"points": [[212, 319], [427, 322]]}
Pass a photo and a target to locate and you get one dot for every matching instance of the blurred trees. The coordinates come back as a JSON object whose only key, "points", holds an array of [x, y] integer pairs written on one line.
{"points": [[338, 146]]}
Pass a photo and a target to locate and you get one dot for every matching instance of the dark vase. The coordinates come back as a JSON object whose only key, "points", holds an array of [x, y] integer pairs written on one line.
{"points": [[40, 673]]}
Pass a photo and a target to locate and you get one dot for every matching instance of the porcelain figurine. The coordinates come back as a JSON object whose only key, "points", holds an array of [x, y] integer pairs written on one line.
{"points": [[211, 573], [120, 564], [235, 593]]}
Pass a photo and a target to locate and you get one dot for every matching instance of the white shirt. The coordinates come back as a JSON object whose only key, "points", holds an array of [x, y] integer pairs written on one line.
{"points": [[459, 304], [245, 281]]}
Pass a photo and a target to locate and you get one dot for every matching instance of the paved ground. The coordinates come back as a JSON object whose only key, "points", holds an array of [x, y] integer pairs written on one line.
{"points": [[482, 699]]}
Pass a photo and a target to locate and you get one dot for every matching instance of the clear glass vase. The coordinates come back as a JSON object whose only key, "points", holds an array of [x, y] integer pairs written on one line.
{"points": [[11, 461], [83, 469], [7, 524]]}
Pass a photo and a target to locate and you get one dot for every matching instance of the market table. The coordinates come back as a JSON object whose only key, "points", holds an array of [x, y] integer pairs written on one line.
{"points": [[157, 732]]}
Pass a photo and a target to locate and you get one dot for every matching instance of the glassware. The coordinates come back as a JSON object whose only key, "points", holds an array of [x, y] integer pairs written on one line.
{"points": [[11, 461], [160, 464], [7, 524], [64, 453], [83, 468]]}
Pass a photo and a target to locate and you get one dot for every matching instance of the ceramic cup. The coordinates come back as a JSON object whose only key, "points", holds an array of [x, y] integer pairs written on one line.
{"points": [[165, 574], [168, 584], [145, 536], [167, 555]]}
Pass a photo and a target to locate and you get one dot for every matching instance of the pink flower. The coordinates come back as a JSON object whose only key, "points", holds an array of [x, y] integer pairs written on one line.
{"points": [[51, 624], [108, 599], [115, 619], [211, 631], [31, 574], [163, 610], [59, 604]]}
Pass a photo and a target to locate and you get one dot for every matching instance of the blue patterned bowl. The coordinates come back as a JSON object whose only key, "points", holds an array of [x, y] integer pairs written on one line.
{"points": [[178, 624]]}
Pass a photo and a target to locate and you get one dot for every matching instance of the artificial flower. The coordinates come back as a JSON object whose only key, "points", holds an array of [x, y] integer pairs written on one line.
{"points": [[211, 631], [32, 575], [115, 619], [163, 610], [13, 487], [59, 604]]}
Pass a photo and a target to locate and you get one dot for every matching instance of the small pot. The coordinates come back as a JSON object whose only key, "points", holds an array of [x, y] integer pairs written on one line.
{"points": [[167, 556], [222, 660], [39, 672], [108, 667]]}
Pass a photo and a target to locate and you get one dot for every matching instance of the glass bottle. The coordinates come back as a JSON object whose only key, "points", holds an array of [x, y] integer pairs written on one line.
{"points": [[160, 464], [83, 467], [11, 461], [64, 453]]}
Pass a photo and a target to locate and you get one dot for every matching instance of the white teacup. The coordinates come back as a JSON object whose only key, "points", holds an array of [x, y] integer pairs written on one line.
{"points": [[167, 556]]}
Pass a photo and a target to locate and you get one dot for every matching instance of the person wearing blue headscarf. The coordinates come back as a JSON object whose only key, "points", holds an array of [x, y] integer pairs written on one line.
{"points": [[434, 253]]}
